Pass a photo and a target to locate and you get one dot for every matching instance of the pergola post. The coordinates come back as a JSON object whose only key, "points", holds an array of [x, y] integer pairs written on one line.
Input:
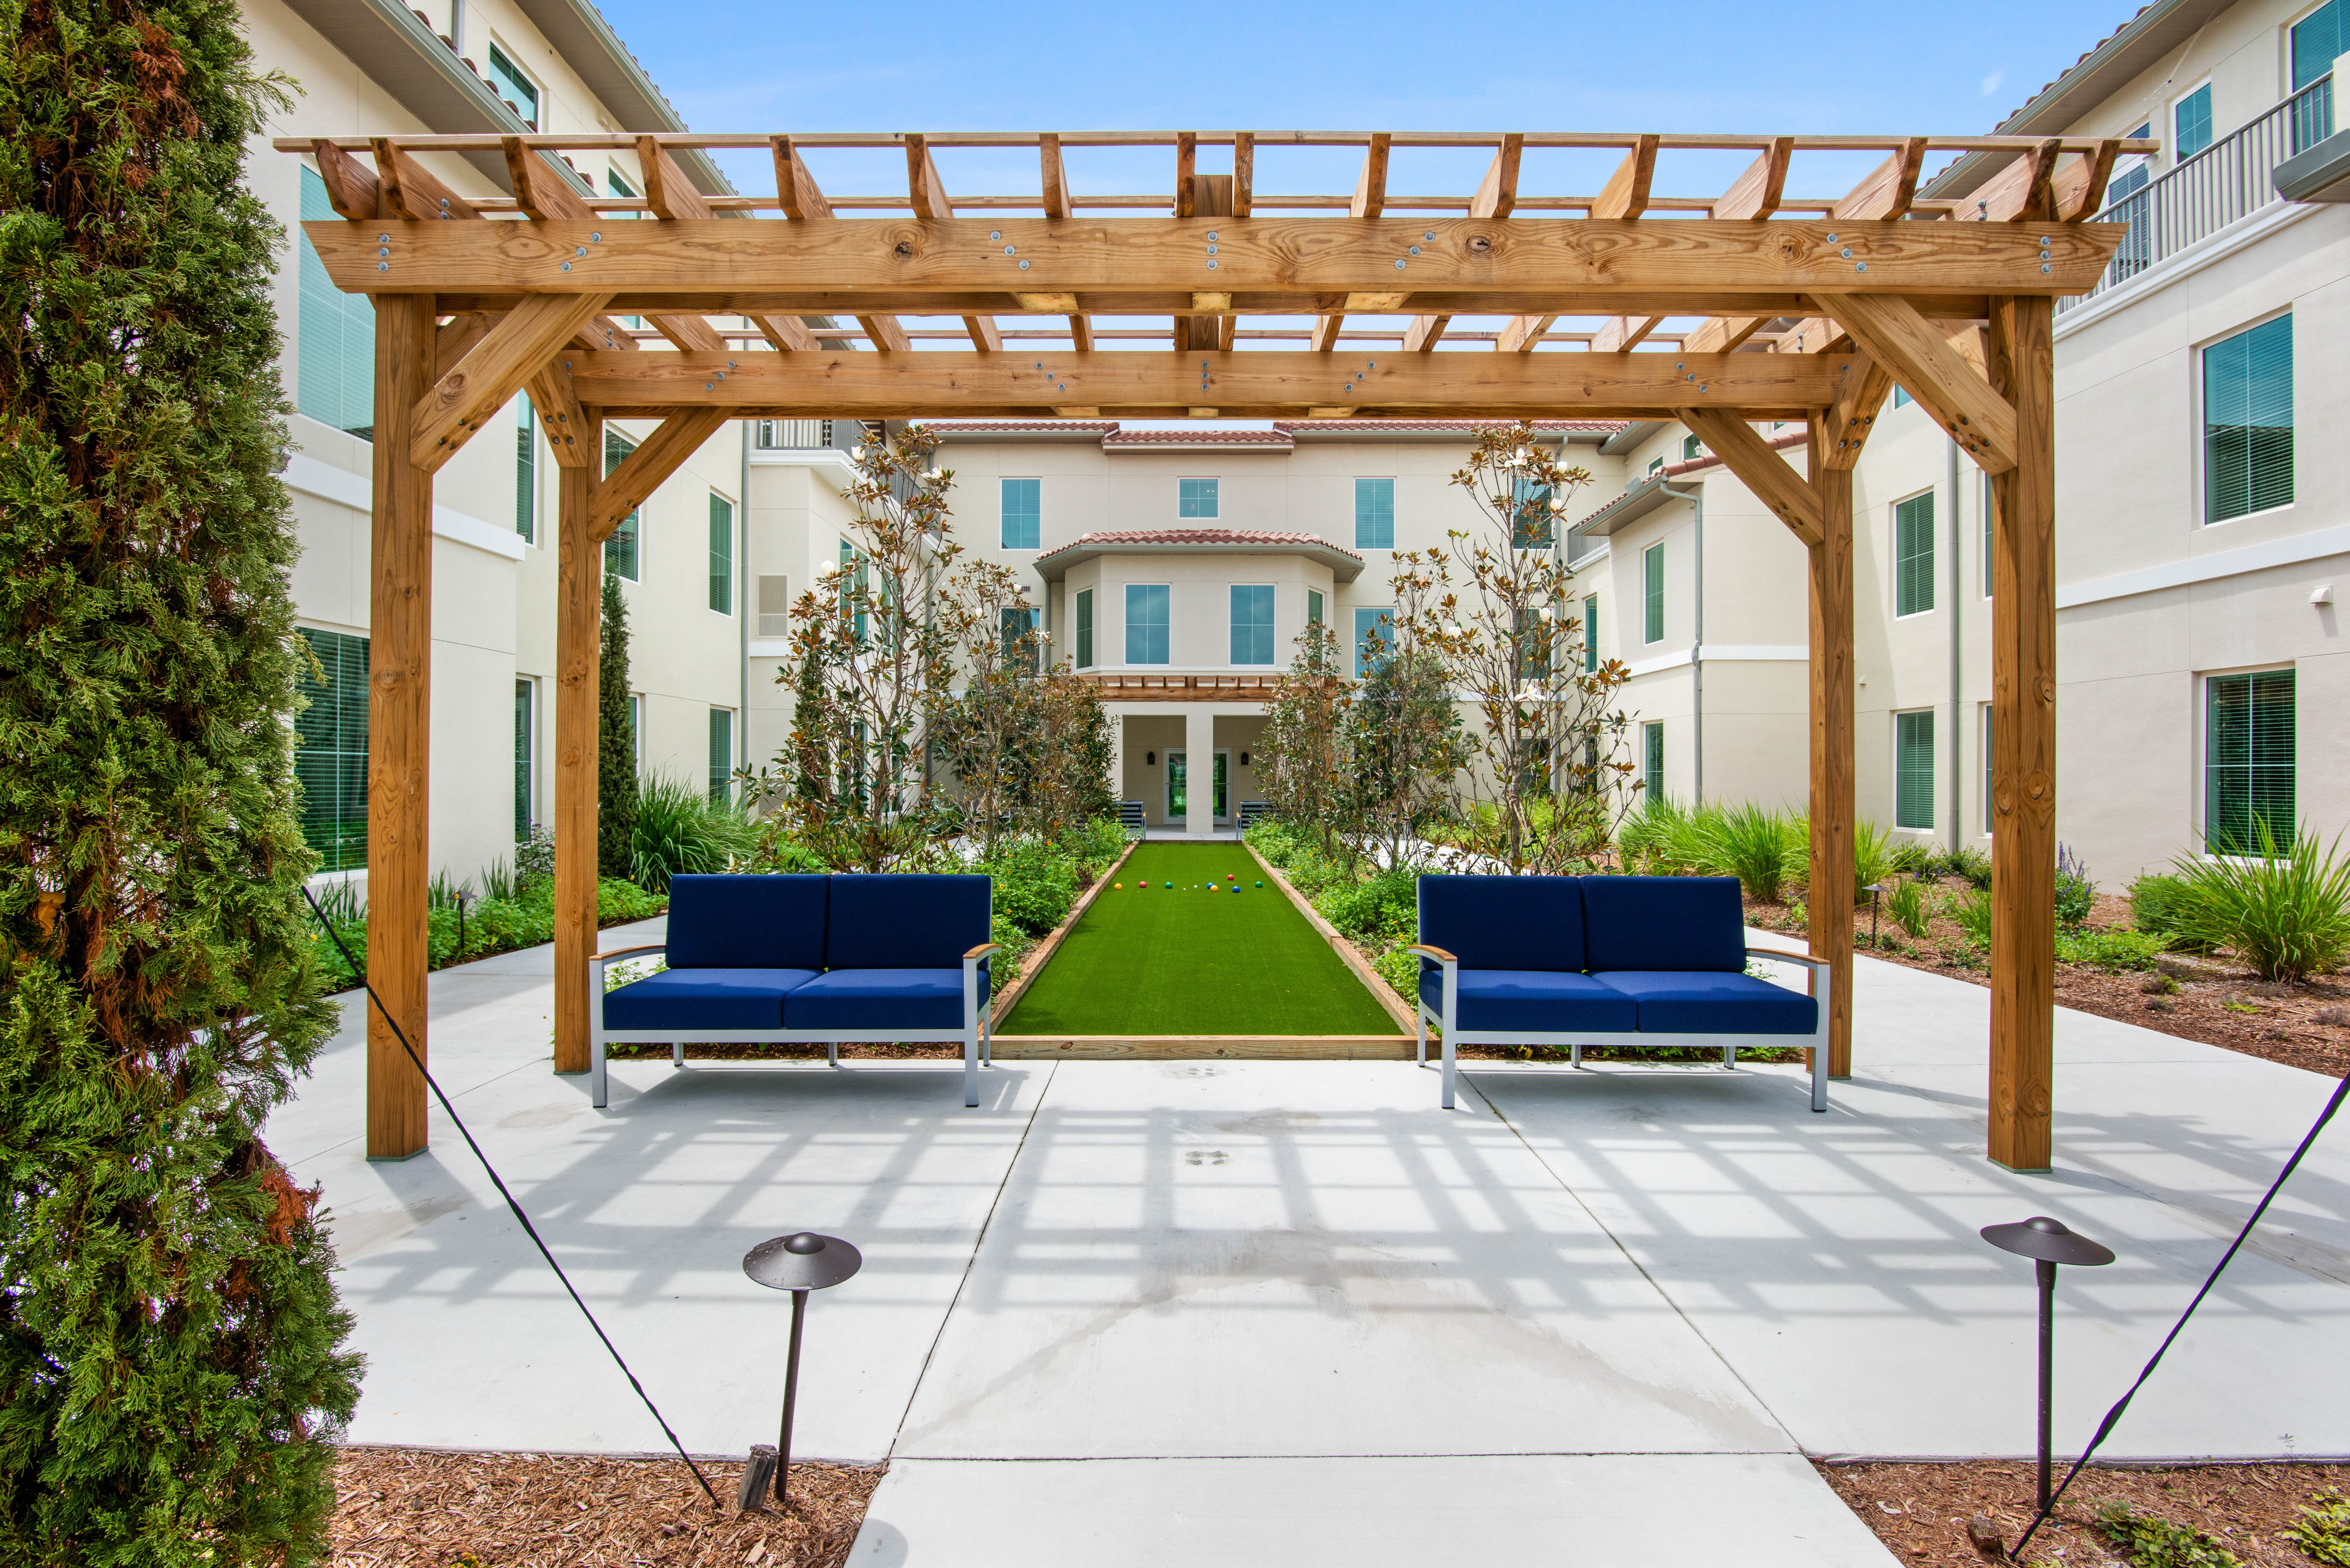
{"points": [[400, 691], [1830, 896], [2023, 741], [577, 625]]}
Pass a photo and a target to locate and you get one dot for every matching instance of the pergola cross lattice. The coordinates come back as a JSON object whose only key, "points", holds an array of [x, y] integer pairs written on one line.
{"points": [[478, 299]]}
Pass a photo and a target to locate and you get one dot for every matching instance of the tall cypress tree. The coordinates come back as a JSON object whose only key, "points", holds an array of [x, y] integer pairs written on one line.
{"points": [[171, 1364], [616, 744]]}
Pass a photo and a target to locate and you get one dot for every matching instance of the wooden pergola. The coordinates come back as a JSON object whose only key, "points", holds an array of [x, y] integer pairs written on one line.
{"points": [[1811, 309]]}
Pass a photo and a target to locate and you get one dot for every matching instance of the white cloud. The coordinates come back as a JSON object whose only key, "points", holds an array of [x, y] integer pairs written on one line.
{"points": [[1990, 83]]}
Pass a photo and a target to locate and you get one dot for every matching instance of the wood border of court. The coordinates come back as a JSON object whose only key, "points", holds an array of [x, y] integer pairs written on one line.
{"points": [[1001, 1008], [1349, 953]]}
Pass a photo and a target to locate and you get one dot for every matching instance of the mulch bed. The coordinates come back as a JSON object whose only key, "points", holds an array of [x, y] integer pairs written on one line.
{"points": [[535, 1510], [2215, 1000], [1921, 1512]]}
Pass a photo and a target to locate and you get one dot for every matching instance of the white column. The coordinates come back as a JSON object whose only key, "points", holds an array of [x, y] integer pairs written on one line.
{"points": [[1117, 754], [1200, 763]]}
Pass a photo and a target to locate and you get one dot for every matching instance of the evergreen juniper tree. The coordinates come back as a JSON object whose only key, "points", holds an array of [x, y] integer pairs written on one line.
{"points": [[616, 744], [172, 1370]]}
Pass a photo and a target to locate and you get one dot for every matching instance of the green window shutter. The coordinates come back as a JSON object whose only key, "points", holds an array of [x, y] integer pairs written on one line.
{"points": [[1086, 629], [1314, 607], [1591, 634], [1023, 514], [522, 760], [1652, 565], [722, 555], [1375, 514], [334, 338], [2318, 39], [1913, 556], [2247, 421], [330, 759], [1652, 759], [2192, 122], [721, 755], [510, 83], [527, 474], [622, 554], [1913, 769], [2250, 749]]}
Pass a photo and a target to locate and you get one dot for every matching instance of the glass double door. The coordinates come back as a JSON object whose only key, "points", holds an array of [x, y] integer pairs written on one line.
{"points": [[1178, 787]]}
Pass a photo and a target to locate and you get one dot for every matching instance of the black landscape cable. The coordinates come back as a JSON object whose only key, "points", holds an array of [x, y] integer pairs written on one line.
{"points": [[499, 1182], [2113, 1415]]}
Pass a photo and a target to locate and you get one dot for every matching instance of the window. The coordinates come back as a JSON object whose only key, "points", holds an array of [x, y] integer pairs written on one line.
{"points": [[1652, 761], [851, 578], [1195, 498], [775, 605], [621, 555], [1913, 769], [2130, 177], [1530, 530], [2248, 760], [722, 755], [522, 760], [1655, 467], [1983, 504], [1375, 514], [1314, 607], [1146, 623], [332, 760], [1023, 516], [722, 554], [1251, 623], [1913, 555], [1591, 634], [520, 93], [614, 184], [1652, 567], [1085, 629], [1018, 628], [1690, 448], [526, 475], [2190, 120], [1374, 639], [2318, 40], [1900, 398], [2247, 421], [636, 731], [334, 335]]}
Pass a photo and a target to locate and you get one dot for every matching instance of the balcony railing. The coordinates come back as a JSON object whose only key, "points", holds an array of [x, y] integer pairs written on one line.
{"points": [[794, 435], [2229, 179]]}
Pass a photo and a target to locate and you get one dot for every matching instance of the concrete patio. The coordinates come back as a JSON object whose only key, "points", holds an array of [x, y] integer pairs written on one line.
{"points": [[1253, 1313]]}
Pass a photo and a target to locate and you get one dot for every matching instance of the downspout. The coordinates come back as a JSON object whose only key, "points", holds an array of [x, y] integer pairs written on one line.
{"points": [[744, 583], [1697, 650], [1958, 725]]}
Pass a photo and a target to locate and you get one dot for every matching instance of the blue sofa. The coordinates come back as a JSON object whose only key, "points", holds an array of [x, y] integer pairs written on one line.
{"points": [[1604, 960], [807, 958]]}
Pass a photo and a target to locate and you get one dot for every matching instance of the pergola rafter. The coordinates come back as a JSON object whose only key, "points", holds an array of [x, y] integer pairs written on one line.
{"points": [[1802, 309]]}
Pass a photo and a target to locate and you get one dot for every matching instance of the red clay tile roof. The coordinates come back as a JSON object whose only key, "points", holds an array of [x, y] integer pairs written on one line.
{"points": [[1410, 425], [1273, 438], [1250, 537], [1018, 427]]}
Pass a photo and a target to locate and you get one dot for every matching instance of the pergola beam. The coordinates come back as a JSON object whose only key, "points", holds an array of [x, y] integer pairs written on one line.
{"points": [[648, 468], [1760, 467], [1923, 361], [491, 373]]}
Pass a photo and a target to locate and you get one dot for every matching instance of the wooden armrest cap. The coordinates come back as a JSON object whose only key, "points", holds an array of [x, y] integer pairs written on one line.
{"points": [[983, 950], [1782, 954], [631, 952], [1435, 952]]}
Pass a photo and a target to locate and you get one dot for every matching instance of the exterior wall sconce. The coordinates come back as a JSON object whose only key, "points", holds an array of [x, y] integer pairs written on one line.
{"points": [[1150, 759]]}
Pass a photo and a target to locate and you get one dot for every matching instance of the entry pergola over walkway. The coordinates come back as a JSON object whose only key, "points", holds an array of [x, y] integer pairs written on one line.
{"points": [[1952, 299]]}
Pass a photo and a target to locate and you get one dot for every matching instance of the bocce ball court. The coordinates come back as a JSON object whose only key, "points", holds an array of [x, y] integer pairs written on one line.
{"points": [[1189, 940]]}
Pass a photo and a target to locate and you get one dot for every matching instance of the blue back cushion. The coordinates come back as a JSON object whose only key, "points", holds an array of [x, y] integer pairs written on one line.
{"points": [[884, 921], [747, 922], [1504, 922], [1664, 923]]}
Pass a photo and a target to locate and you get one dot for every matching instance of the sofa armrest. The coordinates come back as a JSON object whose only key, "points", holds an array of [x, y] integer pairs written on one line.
{"points": [[982, 950], [629, 952], [1427, 951], [1782, 955]]}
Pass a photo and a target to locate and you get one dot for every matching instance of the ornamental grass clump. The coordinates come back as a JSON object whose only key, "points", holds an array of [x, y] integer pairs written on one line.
{"points": [[1764, 850], [680, 831], [173, 1376], [2286, 913]]}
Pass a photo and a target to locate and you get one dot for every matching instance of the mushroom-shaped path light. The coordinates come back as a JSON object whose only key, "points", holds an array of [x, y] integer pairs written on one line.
{"points": [[2047, 1243], [798, 1263]]}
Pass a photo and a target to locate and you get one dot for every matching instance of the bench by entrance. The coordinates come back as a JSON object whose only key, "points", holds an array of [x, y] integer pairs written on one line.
{"points": [[807, 958], [1654, 962]]}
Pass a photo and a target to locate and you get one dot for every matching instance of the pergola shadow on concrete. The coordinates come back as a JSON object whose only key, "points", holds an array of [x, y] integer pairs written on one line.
{"points": [[476, 300]]}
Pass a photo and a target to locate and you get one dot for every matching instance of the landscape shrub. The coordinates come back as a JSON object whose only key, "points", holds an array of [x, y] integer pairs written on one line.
{"points": [[173, 1370], [491, 925], [2076, 892], [680, 831], [1036, 883], [1872, 857], [2111, 951], [2285, 913], [2324, 1532], [1664, 838], [1378, 910], [1915, 857], [1972, 910], [1095, 844], [1400, 969], [1906, 905], [2152, 1542], [1968, 864], [1764, 848]]}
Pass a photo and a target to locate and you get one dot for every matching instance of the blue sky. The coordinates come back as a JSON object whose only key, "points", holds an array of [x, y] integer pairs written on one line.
{"points": [[1910, 66]]}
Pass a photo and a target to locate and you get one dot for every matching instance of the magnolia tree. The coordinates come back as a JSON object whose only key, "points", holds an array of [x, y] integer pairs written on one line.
{"points": [[1300, 761], [987, 732], [1402, 739], [871, 652]]}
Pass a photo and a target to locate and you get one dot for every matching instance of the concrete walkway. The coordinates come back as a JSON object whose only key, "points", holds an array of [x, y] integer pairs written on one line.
{"points": [[1248, 1313]]}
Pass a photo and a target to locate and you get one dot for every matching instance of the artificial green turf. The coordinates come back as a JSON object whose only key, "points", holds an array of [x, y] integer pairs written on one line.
{"points": [[1182, 960]]}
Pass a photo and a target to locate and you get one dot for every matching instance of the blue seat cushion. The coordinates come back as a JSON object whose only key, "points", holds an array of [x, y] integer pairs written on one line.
{"points": [[1682, 1001], [864, 1000], [1664, 922], [1537, 1001], [688, 999], [747, 922], [1504, 922], [912, 922]]}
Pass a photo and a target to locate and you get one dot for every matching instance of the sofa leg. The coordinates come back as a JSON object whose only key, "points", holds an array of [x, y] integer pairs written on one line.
{"points": [[832, 1053], [986, 1041], [1448, 1069], [596, 1068], [971, 1067], [1422, 1019], [1575, 1054], [1820, 1076], [677, 1052], [1729, 1058]]}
